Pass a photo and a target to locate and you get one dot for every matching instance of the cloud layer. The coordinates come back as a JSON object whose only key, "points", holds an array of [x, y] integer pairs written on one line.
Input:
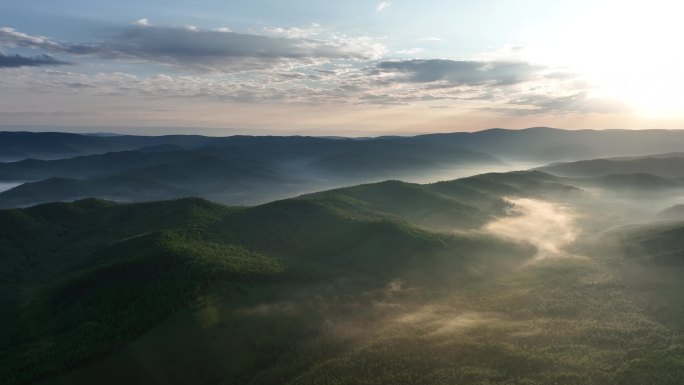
{"points": [[308, 66], [206, 50], [461, 72]]}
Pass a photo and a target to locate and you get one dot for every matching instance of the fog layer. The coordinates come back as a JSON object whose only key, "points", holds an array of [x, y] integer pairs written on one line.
{"points": [[550, 227]]}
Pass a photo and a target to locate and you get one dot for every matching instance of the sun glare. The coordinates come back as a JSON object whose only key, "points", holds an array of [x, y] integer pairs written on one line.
{"points": [[628, 51]]}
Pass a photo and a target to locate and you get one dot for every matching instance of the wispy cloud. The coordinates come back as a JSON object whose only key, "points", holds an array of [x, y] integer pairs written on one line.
{"points": [[431, 38], [383, 6], [293, 32], [326, 84], [459, 71], [576, 102], [411, 51], [9, 37]]}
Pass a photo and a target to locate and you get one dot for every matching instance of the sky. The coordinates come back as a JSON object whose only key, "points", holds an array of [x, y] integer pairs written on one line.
{"points": [[354, 67]]}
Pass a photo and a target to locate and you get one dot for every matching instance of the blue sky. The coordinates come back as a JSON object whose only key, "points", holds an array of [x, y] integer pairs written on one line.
{"points": [[350, 68]]}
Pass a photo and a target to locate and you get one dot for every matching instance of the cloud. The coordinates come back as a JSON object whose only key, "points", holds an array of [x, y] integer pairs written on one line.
{"points": [[383, 6], [579, 102], [204, 50], [460, 72], [9, 37], [293, 32], [15, 61], [142, 22], [333, 83], [432, 38], [214, 50], [411, 51], [306, 66]]}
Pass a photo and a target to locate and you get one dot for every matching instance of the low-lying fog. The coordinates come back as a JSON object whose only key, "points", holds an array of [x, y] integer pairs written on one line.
{"points": [[464, 171], [4, 186], [548, 226]]}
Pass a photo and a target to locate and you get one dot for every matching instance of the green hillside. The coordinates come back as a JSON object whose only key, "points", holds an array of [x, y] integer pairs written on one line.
{"points": [[654, 243], [103, 273], [459, 204], [389, 282]]}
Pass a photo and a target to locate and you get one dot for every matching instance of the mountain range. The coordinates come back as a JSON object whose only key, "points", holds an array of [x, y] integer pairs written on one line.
{"points": [[539, 144], [355, 277], [253, 170]]}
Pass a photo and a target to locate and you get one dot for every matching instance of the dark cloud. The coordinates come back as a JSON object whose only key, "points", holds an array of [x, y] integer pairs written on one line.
{"points": [[15, 61], [460, 72], [201, 49], [213, 49]]}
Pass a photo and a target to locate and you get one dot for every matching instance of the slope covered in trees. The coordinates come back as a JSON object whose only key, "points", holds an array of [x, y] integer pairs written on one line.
{"points": [[102, 273]]}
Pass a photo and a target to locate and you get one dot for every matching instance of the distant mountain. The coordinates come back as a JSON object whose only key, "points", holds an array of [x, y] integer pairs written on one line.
{"points": [[537, 144], [59, 145], [250, 170], [118, 188], [80, 280], [675, 212], [542, 144], [255, 169], [391, 156], [665, 165], [639, 182], [135, 162], [655, 243]]}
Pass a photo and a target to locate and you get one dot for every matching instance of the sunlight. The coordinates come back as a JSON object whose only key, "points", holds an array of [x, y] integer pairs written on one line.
{"points": [[627, 51]]}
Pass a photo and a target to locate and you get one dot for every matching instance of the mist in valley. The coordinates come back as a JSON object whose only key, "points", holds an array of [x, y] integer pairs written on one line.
{"points": [[4, 186], [548, 226], [312, 179]]}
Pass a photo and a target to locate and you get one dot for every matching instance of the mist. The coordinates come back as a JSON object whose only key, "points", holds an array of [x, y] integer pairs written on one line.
{"points": [[548, 226], [463, 171], [4, 186]]}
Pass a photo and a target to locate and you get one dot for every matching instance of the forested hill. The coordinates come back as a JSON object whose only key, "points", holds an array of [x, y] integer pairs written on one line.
{"points": [[80, 280]]}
